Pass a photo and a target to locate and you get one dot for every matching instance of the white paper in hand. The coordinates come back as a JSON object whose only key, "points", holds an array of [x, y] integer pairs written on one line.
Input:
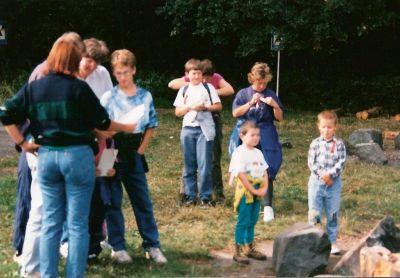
{"points": [[107, 160], [133, 116]]}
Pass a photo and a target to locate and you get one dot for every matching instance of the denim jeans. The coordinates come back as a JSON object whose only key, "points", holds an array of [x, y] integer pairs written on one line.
{"points": [[30, 252], [22, 204], [246, 221], [322, 197], [197, 158], [66, 177], [134, 179]]}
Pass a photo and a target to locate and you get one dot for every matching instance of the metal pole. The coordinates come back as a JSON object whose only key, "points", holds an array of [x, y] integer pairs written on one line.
{"points": [[277, 73]]}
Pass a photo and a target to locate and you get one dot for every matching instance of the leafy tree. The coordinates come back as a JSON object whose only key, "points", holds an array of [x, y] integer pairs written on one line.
{"points": [[312, 25]]}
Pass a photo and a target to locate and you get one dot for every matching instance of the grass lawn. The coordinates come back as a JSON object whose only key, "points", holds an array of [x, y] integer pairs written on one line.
{"points": [[188, 234]]}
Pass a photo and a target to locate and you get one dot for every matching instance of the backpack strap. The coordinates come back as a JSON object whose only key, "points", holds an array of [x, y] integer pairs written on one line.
{"points": [[208, 91]]}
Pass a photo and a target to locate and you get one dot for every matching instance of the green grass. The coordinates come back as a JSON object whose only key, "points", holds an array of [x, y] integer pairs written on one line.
{"points": [[188, 234]]}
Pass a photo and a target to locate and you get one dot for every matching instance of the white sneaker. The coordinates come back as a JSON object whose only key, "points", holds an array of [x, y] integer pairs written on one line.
{"points": [[17, 259], [335, 250], [156, 255], [64, 250], [105, 245], [121, 257]]}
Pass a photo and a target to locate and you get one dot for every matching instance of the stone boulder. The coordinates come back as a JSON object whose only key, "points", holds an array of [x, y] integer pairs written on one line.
{"points": [[371, 152], [378, 261], [397, 142], [301, 251], [366, 135], [385, 233]]}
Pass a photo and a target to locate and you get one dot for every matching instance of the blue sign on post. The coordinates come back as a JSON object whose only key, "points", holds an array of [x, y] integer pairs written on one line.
{"points": [[3, 38], [275, 42]]}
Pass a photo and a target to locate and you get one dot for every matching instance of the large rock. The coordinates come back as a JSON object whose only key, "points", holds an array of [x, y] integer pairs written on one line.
{"points": [[301, 251], [386, 234], [371, 152], [366, 135], [397, 142], [378, 261], [349, 263]]}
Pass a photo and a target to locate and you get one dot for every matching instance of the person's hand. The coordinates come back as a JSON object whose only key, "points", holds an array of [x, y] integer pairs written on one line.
{"points": [[129, 128], [199, 107], [260, 192], [110, 172], [255, 98], [270, 101], [326, 178], [29, 147], [104, 134]]}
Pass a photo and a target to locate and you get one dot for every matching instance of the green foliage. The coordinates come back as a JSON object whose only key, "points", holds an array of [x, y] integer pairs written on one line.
{"points": [[303, 24], [9, 86]]}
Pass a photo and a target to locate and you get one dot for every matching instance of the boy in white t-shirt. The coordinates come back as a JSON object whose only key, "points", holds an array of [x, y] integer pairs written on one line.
{"points": [[249, 168], [195, 103]]}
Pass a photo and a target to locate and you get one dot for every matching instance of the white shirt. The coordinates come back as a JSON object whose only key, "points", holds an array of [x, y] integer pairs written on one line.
{"points": [[99, 81], [196, 94], [248, 161]]}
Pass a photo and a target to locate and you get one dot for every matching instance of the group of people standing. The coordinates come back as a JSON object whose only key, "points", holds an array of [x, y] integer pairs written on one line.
{"points": [[68, 103], [69, 113]]}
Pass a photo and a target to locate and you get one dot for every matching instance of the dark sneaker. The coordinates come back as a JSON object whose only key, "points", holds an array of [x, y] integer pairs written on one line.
{"points": [[205, 204], [189, 202]]}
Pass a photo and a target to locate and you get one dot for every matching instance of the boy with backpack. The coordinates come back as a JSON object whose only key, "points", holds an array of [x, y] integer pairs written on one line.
{"points": [[195, 103]]}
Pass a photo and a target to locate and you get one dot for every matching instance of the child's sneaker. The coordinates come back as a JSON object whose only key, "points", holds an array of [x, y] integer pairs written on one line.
{"points": [[252, 253], [335, 250], [205, 204], [64, 250], [17, 258], [105, 245], [156, 255], [121, 257]]}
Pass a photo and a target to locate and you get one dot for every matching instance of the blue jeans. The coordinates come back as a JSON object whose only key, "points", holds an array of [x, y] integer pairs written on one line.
{"points": [[134, 179], [66, 177], [22, 204], [322, 197], [247, 219], [197, 158]]}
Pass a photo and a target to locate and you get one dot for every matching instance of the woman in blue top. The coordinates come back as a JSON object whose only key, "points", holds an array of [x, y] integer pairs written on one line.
{"points": [[260, 104]]}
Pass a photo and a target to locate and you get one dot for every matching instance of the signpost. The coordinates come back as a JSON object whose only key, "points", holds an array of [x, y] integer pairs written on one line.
{"points": [[276, 46], [3, 38]]}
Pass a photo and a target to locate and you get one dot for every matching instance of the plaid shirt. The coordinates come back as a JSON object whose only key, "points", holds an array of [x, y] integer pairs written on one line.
{"points": [[327, 156]]}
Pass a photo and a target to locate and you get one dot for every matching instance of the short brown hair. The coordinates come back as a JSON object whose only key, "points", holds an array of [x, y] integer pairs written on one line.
{"points": [[64, 57], [207, 67], [259, 71], [327, 115], [246, 126], [123, 57], [74, 38], [96, 49], [192, 64]]}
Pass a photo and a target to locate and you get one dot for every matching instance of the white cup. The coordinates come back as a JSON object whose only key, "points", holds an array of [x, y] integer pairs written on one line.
{"points": [[268, 213]]}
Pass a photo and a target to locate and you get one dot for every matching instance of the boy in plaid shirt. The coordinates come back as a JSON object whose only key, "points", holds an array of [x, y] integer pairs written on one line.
{"points": [[326, 158]]}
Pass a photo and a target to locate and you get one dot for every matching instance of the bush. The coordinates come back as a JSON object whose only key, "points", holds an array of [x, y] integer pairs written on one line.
{"points": [[9, 85]]}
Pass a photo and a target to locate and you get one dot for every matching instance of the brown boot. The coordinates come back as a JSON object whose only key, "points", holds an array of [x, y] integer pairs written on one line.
{"points": [[252, 253], [240, 256]]}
